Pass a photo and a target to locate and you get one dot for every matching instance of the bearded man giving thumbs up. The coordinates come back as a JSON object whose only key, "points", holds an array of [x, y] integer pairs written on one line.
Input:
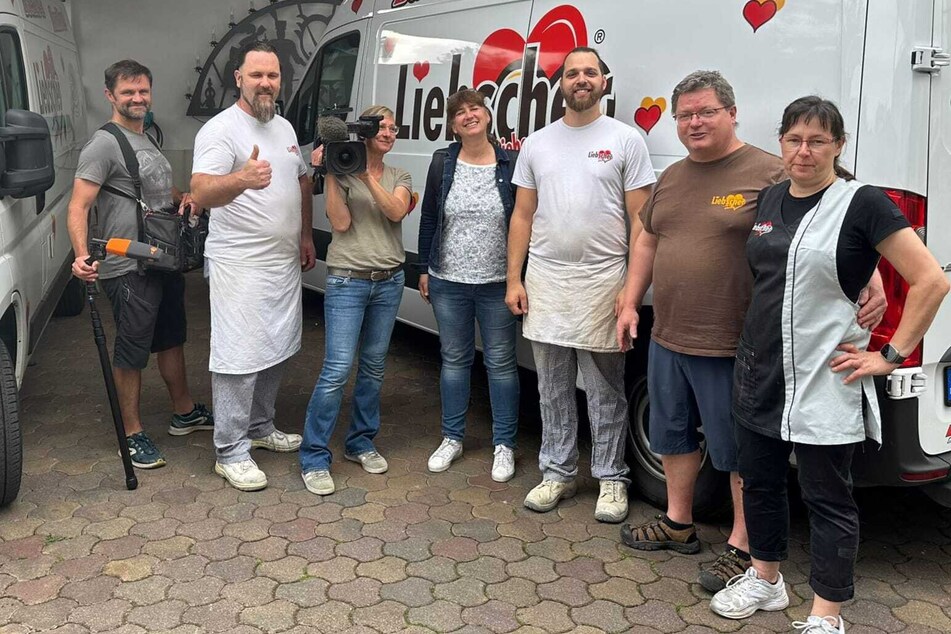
{"points": [[248, 169]]}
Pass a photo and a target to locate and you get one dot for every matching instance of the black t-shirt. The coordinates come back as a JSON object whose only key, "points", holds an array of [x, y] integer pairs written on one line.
{"points": [[871, 218]]}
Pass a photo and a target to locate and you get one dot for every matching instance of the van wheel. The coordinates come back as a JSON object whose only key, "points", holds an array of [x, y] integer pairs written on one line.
{"points": [[11, 442], [72, 300], [712, 492]]}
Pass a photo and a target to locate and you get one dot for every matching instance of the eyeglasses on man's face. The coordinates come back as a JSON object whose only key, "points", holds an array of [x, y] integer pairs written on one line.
{"points": [[395, 129], [793, 143], [704, 115]]}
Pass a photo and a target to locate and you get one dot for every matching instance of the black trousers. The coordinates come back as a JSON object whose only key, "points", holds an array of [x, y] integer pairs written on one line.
{"points": [[826, 483]]}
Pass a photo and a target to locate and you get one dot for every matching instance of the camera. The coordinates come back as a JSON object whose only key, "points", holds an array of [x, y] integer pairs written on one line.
{"points": [[342, 156]]}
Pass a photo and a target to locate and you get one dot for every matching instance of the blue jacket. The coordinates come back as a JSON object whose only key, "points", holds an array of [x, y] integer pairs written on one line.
{"points": [[442, 170]]}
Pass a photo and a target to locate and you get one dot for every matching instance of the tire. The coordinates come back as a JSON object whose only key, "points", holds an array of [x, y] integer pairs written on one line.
{"points": [[11, 441], [711, 498], [72, 300]]}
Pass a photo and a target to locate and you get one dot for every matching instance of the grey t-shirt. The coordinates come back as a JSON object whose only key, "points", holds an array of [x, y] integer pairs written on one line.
{"points": [[101, 162], [373, 242], [474, 228]]}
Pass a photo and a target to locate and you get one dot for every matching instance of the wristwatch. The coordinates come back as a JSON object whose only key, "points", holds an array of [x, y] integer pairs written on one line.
{"points": [[891, 354]]}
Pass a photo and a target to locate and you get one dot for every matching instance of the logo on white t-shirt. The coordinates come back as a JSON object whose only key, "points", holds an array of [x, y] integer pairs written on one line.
{"points": [[293, 150], [603, 156]]}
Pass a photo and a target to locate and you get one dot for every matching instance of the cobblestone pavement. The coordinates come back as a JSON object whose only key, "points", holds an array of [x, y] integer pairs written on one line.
{"points": [[405, 551]]}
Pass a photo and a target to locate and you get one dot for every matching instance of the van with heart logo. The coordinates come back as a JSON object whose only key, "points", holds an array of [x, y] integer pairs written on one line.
{"points": [[42, 129], [883, 63]]}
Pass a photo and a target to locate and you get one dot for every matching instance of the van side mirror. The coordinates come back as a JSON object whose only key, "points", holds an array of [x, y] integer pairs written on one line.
{"points": [[26, 156]]}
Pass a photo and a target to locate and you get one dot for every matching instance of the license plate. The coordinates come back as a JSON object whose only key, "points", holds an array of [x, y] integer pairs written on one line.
{"points": [[947, 386]]}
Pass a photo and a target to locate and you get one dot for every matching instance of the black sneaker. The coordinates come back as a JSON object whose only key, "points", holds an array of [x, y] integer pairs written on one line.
{"points": [[198, 419], [144, 453]]}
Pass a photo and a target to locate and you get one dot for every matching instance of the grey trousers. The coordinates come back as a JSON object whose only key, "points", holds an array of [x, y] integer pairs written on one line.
{"points": [[602, 374], [244, 409]]}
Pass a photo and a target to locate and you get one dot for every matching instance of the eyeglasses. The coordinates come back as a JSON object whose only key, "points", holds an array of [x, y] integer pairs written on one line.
{"points": [[395, 129], [704, 115], [814, 145]]}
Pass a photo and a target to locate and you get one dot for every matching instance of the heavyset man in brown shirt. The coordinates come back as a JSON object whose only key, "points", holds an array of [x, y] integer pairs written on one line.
{"points": [[693, 247]]}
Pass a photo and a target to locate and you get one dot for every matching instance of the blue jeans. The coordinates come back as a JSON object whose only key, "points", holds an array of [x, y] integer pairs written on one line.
{"points": [[359, 316], [457, 307]]}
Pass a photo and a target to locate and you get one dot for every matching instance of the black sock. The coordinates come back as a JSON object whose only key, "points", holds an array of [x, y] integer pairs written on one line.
{"points": [[677, 526], [742, 554]]}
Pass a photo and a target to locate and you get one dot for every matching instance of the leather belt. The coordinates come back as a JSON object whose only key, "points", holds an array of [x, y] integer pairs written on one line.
{"points": [[373, 276]]}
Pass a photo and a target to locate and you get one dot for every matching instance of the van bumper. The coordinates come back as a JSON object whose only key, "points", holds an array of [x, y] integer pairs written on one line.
{"points": [[900, 452]]}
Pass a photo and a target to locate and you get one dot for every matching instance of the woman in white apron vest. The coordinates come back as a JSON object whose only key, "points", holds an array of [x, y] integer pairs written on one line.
{"points": [[802, 379]]}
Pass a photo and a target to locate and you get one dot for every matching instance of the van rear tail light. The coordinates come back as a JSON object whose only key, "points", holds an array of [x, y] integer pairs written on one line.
{"points": [[925, 476], [914, 207]]}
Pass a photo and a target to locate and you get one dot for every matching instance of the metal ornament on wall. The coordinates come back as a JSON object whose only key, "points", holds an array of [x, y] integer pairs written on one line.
{"points": [[293, 27]]}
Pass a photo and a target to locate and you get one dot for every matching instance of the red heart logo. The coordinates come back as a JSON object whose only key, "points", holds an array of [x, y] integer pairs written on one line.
{"points": [[420, 70], [759, 13], [356, 5], [647, 118]]}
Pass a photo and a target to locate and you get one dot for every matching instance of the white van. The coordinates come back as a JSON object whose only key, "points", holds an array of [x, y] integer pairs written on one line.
{"points": [[42, 129], [879, 60]]}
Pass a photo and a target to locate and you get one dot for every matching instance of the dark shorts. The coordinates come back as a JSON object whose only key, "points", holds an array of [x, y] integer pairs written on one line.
{"points": [[150, 315], [687, 391]]}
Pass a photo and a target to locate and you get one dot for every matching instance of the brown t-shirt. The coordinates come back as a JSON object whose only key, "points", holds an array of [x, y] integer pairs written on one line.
{"points": [[702, 214]]}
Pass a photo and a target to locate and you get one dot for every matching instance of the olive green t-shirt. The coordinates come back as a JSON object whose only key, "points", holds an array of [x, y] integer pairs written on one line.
{"points": [[373, 242], [702, 214]]}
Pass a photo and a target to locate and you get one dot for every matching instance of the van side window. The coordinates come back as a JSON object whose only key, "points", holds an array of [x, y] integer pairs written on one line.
{"points": [[328, 85], [12, 80]]}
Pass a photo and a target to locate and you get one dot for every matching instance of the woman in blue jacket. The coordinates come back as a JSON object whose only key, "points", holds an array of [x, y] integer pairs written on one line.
{"points": [[462, 250]]}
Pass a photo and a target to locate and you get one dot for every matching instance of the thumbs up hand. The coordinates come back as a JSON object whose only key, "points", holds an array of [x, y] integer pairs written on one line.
{"points": [[255, 173]]}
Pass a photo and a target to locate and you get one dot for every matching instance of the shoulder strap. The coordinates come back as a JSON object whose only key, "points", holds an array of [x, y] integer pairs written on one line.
{"points": [[131, 164]]}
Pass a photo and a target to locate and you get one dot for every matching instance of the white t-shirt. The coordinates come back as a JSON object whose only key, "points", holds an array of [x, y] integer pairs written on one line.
{"points": [[260, 224], [253, 246], [579, 245]]}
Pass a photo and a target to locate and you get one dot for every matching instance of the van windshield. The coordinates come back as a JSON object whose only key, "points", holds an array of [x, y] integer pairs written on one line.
{"points": [[328, 85]]}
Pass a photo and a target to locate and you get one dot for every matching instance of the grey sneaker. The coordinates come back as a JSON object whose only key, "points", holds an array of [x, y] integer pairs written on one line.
{"points": [[143, 452], [200, 418], [244, 475], [278, 441], [447, 451], [820, 625], [372, 461], [745, 594], [319, 482], [546, 495], [612, 502], [503, 464]]}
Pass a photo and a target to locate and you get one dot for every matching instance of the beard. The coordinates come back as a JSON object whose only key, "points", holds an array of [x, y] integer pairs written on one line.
{"points": [[262, 106], [580, 104], [138, 114]]}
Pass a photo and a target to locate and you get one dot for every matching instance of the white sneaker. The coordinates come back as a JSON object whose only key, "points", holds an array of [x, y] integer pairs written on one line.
{"points": [[503, 465], [447, 451], [319, 482], [820, 625], [612, 502], [747, 593], [546, 495], [244, 475], [278, 441], [372, 461]]}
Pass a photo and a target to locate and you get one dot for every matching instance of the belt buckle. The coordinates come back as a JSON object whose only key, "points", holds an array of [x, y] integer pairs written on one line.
{"points": [[379, 276]]}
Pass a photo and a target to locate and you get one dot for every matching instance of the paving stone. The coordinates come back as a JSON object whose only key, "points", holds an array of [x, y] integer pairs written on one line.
{"points": [[603, 615], [386, 570], [131, 569], [171, 548], [44, 616], [146, 591], [632, 568], [921, 613], [507, 549], [412, 591], [657, 614], [440, 616], [547, 616], [584, 568], [159, 529], [33, 568], [536, 569], [618, 590], [386, 616], [297, 530], [552, 548], [435, 569], [517, 591], [162, 615], [864, 612], [343, 530], [267, 549], [305, 593], [496, 616], [199, 592], [110, 529], [234, 513], [36, 591], [360, 592], [409, 549], [487, 569], [219, 616], [336, 570], [273, 617], [101, 616], [464, 591], [220, 549], [80, 568], [240, 568], [433, 530], [332, 616], [314, 549], [362, 550], [700, 614], [570, 591], [256, 591], [248, 530]]}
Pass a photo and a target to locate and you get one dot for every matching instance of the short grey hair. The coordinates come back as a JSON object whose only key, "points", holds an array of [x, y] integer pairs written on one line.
{"points": [[701, 80]]}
